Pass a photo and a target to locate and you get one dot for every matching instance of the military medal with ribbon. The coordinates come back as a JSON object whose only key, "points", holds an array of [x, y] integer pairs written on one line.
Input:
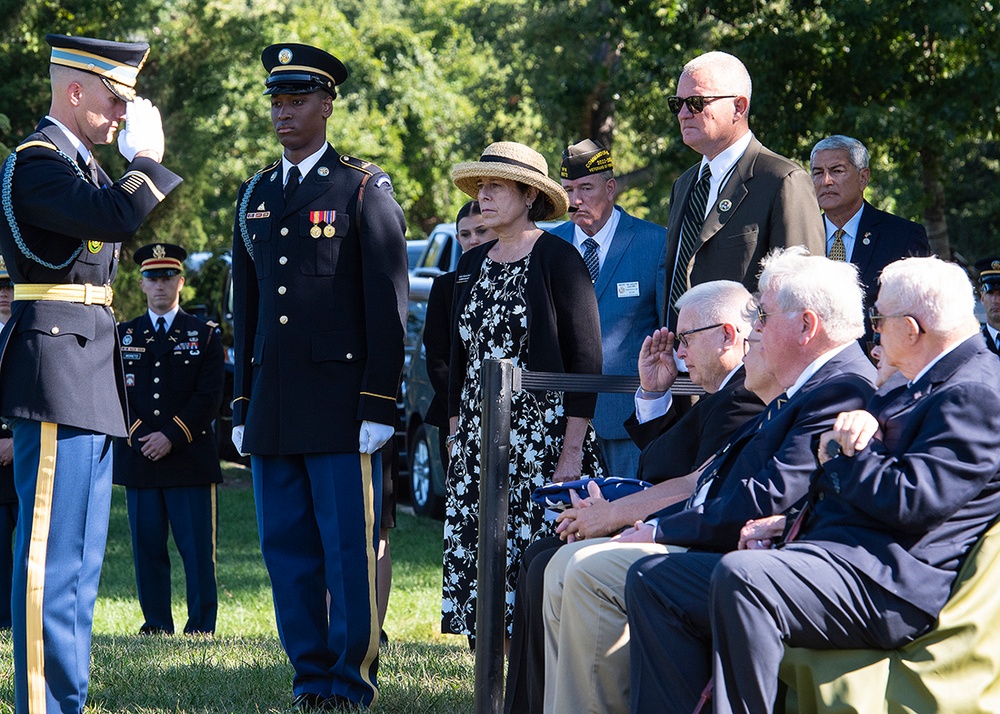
{"points": [[325, 217]]}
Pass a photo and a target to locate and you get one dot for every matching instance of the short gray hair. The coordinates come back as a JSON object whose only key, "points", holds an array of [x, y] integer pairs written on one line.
{"points": [[854, 148], [936, 293], [830, 288], [722, 301], [726, 70]]}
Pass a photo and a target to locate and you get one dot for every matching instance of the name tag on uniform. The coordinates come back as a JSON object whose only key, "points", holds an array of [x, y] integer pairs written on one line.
{"points": [[628, 289]]}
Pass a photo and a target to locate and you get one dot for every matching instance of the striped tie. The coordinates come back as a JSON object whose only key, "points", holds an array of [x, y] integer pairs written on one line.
{"points": [[694, 219], [838, 251], [591, 248]]}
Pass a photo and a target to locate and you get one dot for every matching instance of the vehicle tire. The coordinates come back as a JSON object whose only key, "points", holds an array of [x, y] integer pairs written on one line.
{"points": [[425, 501]]}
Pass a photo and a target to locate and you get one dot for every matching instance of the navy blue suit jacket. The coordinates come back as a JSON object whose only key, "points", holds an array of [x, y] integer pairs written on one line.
{"points": [[906, 510], [767, 465], [629, 291], [882, 239]]}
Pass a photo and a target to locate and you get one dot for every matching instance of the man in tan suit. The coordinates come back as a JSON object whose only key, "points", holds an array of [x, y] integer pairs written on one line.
{"points": [[741, 199]]}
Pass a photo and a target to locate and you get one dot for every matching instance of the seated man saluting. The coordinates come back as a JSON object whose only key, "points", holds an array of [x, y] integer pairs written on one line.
{"points": [[889, 521]]}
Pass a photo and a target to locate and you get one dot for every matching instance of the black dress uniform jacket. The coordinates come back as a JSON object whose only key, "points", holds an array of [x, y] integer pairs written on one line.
{"points": [[320, 307], [174, 386], [59, 359], [7, 492]]}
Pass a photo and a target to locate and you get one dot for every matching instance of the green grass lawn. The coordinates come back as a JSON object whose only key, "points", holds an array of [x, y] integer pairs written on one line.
{"points": [[243, 668]]}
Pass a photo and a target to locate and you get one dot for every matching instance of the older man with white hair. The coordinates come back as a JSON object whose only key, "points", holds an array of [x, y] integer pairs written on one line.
{"points": [[741, 199], [890, 518], [808, 323]]}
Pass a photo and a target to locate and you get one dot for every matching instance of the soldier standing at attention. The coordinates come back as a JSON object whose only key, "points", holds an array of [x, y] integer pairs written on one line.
{"points": [[320, 292], [61, 384], [169, 463]]}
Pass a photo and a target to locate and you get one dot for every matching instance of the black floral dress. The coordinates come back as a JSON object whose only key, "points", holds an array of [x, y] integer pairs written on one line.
{"points": [[494, 325]]}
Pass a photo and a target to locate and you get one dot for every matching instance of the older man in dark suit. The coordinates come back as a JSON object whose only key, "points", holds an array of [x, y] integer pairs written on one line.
{"points": [[871, 560], [855, 229], [715, 326], [809, 320], [741, 199]]}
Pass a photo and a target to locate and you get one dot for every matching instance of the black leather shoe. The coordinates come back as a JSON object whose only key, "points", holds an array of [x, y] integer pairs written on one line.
{"points": [[154, 630], [307, 702]]}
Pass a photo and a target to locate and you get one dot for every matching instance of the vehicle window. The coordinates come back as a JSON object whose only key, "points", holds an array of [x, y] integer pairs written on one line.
{"points": [[437, 249]]}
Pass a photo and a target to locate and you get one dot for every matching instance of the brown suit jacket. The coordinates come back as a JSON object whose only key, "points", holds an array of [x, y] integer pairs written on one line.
{"points": [[768, 202]]}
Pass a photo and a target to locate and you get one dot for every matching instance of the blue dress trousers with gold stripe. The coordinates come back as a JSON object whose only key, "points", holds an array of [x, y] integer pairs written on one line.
{"points": [[62, 390]]}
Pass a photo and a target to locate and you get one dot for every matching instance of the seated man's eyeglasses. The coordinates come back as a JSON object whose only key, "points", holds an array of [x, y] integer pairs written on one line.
{"points": [[876, 320]]}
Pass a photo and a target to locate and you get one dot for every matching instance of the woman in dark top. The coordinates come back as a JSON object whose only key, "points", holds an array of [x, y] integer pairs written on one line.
{"points": [[528, 297]]}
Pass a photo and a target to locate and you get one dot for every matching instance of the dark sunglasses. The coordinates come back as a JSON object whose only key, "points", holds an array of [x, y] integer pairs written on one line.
{"points": [[695, 104], [877, 319]]}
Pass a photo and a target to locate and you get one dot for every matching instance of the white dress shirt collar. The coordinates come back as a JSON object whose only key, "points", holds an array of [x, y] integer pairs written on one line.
{"points": [[77, 144], [723, 166], [168, 318], [814, 367], [603, 236], [305, 166], [850, 236]]}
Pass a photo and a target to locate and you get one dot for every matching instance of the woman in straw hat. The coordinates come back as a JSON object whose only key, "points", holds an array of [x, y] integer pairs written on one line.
{"points": [[526, 296]]}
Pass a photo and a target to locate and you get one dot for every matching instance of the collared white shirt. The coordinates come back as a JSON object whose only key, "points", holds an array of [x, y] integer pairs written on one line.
{"points": [[850, 236], [649, 409], [305, 166], [723, 166], [603, 236], [994, 333], [814, 367], [168, 318], [77, 144]]}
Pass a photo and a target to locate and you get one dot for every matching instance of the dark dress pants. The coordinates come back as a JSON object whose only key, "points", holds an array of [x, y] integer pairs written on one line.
{"points": [[750, 604]]}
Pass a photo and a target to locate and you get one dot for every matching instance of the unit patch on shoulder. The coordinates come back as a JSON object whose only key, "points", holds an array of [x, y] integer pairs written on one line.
{"points": [[383, 181]]}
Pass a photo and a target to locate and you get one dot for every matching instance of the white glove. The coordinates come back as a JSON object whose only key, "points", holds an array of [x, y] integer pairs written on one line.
{"points": [[143, 129], [238, 439], [374, 436]]}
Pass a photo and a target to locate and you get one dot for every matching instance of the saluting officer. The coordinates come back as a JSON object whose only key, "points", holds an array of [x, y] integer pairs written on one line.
{"points": [[169, 463], [8, 496], [320, 292], [61, 378]]}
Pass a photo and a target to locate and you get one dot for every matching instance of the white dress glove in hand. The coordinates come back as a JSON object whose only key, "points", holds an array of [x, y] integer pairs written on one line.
{"points": [[373, 436], [238, 439], [143, 129]]}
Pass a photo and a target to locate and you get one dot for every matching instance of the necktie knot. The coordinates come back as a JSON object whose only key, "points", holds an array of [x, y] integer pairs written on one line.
{"points": [[591, 256], [161, 326]]}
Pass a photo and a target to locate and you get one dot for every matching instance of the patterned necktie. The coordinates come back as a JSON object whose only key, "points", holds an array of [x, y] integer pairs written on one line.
{"points": [[838, 251], [591, 249], [694, 219], [772, 409], [292, 182]]}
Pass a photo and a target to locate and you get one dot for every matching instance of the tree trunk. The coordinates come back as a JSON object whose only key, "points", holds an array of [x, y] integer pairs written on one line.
{"points": [[934, 210]]}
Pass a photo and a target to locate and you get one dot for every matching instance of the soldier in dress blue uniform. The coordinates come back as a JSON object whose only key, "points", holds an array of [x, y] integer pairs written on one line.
{"points": [[989, 294], [169, 463], [8, 496], [61, 383], [320, 293]]}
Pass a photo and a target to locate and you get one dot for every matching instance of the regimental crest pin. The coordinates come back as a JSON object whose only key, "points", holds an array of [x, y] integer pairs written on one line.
{"points": [[285, 56], [323, 171], [127, 340], [725, 205]]}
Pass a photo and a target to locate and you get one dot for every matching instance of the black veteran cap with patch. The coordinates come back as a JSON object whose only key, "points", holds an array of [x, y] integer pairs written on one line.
{"points": [[989, 272], [583, 159], [160, 260], [116, 63], [301, 69]]}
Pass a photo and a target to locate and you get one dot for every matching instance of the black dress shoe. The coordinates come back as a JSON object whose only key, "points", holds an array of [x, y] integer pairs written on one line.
{"points": [[308, 702], [154, 630]]}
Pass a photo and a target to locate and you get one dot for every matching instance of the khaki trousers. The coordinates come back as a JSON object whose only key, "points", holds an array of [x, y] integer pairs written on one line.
{"points": [[586, 625]]}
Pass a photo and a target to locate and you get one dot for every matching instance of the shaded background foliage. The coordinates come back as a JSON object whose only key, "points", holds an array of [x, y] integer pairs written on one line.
{"points": [[433, 81]]}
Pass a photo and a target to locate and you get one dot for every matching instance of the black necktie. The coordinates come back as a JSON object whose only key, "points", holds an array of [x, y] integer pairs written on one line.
{"points": [[591, 250], [161, 328], [291, 183], [694, 219]]}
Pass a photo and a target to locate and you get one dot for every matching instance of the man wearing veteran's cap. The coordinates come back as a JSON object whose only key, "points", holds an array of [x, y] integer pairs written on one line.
{"points": [[168, 463], [320, 298], [626, 257], [63, 224], [989, 294]]}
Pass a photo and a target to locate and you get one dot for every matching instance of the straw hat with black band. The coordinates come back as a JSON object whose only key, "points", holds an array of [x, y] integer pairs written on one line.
{"points": [[514, 162]]}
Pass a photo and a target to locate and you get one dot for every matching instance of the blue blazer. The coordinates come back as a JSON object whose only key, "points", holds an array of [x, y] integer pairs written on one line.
{"points": [[882, 239], [766, 467], [906, 510], [630, 301]]}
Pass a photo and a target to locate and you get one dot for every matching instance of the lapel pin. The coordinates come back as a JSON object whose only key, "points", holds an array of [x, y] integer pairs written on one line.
{"points": [[323, 171], [724, 205], [273, 176], [866, 240]]}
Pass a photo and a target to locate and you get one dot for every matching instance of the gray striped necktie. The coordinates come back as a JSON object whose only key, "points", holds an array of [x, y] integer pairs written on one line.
{"points": [[591, 250], [694, 219]]}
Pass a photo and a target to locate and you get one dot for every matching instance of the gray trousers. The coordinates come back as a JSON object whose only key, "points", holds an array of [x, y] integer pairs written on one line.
{"points": [[749, 604]]}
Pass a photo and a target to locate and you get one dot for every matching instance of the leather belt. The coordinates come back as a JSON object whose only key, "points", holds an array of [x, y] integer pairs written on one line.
{"points": [[87, 294]]}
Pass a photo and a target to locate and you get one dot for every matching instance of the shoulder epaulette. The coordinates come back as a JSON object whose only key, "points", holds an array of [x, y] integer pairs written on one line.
{"points": [[32, 144], [360, 164], [264, 170]]}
